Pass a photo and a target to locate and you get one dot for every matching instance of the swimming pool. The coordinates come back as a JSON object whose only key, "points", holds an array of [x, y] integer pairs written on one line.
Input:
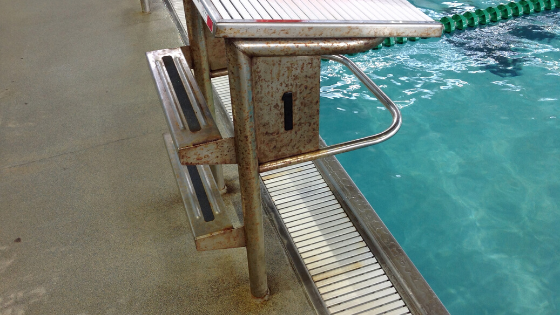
{"points": [[470, 186]]}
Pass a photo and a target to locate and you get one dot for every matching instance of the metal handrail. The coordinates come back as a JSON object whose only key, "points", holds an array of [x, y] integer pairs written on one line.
{"points": [[349, 145]]}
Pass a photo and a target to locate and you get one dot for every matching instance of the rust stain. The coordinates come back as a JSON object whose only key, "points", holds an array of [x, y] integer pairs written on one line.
{"points": [[295, 170], [332, 273]]}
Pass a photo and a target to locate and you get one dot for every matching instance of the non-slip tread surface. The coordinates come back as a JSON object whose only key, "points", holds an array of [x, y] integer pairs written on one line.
{"points": [[319, 10]]}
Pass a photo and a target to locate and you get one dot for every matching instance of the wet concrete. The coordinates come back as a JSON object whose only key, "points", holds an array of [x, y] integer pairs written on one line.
{"points": [[91, 220]]}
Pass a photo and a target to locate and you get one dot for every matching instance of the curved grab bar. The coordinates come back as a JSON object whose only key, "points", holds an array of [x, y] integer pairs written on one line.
{"points": [[349, 145]]}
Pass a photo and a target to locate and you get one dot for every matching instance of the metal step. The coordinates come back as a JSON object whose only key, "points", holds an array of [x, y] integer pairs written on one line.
{"points": [[192, 129], [204, 205], [188, 116]]}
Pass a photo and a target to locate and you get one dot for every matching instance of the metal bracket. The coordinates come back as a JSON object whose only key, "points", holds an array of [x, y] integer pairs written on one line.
{"points": [[215, 152], [229, 238]]}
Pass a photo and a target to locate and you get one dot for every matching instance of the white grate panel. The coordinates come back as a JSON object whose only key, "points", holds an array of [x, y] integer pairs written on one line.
{"points": [[320, 10]]}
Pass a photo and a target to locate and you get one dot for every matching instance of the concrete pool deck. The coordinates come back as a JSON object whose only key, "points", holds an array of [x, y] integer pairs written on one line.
{"points": [[91, 220]]}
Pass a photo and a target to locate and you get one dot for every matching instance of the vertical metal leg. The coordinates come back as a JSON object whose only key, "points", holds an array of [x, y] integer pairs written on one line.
{"points": [[218, 173], [197, 42], [145, 6], [239, 66]]}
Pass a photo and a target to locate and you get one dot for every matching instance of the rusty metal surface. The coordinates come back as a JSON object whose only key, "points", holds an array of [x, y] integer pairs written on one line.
{"points": [[349, 145], [272, 77], [218, 73], [329, 11], [216, 51], [239, 66], [199, 227], [188, 55], [227, 238], [215, 152], [322, 30], [182, 136], [198, 35], [197, 42], [363, 18], [305, 47]]}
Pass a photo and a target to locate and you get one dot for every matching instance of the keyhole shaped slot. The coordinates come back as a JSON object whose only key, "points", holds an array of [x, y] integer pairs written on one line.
{"points": [[288, 111]]}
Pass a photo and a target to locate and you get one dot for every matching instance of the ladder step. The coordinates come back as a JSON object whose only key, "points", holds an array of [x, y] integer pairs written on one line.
{"points": [[203, 202], [188, 116]]}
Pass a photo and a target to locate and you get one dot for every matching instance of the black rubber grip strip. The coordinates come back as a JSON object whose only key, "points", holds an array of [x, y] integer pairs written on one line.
{"points": [[288, 111], [201, 194], [186, 106]]}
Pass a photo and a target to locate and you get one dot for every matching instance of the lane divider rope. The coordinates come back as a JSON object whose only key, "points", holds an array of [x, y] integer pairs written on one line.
{"points": [[481, 17]]}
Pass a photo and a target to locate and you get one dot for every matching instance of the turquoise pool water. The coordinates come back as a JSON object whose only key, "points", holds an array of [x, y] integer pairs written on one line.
{"points": [[470, 186]]}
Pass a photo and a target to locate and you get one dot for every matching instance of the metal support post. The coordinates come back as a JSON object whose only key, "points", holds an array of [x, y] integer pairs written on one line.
{"points": [[145, 6], [197, 42], [239, 66]]}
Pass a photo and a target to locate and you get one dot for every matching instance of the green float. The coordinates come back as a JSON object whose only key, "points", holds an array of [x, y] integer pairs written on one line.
{"points": [[401, 40], [505, 11], [460, 21], [483, 16], [472, 18], [538, 4], [516, 8], [448, 24], [389, 41], [495, 15], [528, 6]]}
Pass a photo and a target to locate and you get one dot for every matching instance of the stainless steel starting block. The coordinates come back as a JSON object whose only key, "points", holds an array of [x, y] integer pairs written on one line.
{"points": [[271, 50]]}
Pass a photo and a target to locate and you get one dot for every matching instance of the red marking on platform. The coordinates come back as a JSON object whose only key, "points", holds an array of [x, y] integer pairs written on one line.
{"points": [[279, 21], [209, 23]]}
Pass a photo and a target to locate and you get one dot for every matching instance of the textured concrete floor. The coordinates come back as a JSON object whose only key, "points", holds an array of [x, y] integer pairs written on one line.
{"points": [[91, 220]]}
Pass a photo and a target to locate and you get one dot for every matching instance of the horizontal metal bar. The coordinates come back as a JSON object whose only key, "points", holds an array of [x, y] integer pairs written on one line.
{"points": [[400, 311], [349, 145], [305, 199], [315, 217], [375, 307], [312, 214], [331, 244], [302, 191], [340, 263], [218, 73], [305, 47], [302, 170], [311, 224], [344, 269], [316, 228], [318, 29], [337, 257], [298, 209], [285, 168], [289, 183], [327, 244], [322, 234], [349, 278], [361, 296], [298, 187], [334, 253], [296, 197]]}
